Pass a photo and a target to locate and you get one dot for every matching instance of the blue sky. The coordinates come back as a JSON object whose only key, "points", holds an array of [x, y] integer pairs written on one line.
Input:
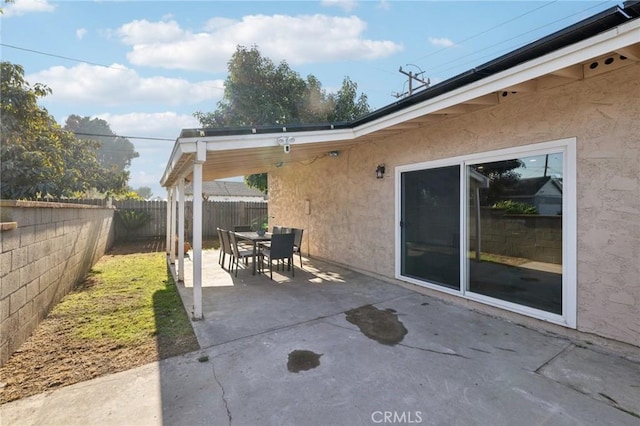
{"points": [[147, 66]]}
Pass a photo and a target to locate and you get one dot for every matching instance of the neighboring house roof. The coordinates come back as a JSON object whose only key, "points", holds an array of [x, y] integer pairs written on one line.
{"points": [[603, 42], [527, 186], [219, 188]]}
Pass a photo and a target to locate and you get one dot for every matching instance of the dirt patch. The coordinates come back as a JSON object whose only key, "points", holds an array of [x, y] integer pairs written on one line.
{"points": [[56, 356]]}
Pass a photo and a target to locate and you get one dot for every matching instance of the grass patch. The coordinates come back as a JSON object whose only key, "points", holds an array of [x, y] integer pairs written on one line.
{"points": [[127, 299], [126, 313]]}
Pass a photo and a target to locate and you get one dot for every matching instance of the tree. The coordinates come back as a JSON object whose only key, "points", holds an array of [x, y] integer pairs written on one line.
{"points": [[260, 93], [345, 105], [144, 192], [502, 174], [38, 158], [115, 152]]}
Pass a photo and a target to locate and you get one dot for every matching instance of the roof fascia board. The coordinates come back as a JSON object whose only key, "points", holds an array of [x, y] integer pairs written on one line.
{"points": [[624, 35], [180, 148], [266, 140]]}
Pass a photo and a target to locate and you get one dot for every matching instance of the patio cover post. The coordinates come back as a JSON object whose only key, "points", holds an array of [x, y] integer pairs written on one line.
{"points": [[172, 226], [201, 156], [181, 207], [168, 225]]}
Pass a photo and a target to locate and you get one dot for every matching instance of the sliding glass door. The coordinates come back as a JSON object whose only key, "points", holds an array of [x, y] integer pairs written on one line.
{"points": [[430, 225], [514, 223], [496, 227]]}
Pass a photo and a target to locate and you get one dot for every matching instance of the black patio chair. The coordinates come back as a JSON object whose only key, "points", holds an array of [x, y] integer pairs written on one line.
{"points": [[221, 255], [281, 249], [297, 242], [239, 254], [225, 247]]}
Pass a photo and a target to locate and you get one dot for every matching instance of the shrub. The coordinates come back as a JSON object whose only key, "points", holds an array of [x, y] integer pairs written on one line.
{"points": [[515, 207], [133, 219]]}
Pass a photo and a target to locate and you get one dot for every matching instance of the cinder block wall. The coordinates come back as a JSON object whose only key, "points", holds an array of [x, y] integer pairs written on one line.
{"points": [[51, 249]]}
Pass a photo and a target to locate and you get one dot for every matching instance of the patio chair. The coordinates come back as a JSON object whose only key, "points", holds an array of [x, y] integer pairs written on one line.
{"points": [[297, 242], [222, 253], [239, 254], [243, 228], [281, 249], [277, 230], [225, 247]]}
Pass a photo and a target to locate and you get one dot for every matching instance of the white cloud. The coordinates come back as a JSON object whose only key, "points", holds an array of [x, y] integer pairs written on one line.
{"points": [[119, 85], [347, 5], [143, 32], [296, 39], [384, 5], [80, 33], [441, 42], [22, 7]]}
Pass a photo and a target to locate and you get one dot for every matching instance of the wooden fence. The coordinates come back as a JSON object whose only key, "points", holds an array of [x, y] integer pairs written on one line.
{"points": [[223, 214]]}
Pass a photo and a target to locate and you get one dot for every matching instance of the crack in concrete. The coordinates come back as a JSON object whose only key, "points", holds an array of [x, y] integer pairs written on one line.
{"points": [[288, 326], [553, 358], [404, 344], [434, 351], [224, 397]]}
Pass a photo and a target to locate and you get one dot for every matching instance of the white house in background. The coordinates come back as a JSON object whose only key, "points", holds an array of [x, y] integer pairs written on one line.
{"points": [[220, 190]]}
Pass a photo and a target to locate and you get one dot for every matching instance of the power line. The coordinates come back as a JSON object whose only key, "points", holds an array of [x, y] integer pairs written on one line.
{"points": [[39, 52], [489, 29], [508, 40], [504, 41], [83, 61], [122, 136]]}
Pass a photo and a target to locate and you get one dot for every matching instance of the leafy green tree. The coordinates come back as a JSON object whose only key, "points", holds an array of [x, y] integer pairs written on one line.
{"points": [[144, 192], [114, 152], [261, 93], [38, 158]]}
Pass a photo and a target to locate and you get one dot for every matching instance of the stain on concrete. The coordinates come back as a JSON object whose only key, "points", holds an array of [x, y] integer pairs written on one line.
{"points": [[382, 326], [302, 360]]}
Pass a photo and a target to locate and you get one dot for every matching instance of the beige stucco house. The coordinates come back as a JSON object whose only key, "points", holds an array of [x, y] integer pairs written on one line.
{"points": [[566, 106]]}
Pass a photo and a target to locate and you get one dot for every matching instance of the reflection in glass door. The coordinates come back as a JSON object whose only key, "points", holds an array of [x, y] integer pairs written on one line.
{"points": [[430, 221], [514, 230]]}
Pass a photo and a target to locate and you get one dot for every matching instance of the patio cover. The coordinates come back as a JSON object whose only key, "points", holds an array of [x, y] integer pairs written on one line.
{"points": [[555, 60]]}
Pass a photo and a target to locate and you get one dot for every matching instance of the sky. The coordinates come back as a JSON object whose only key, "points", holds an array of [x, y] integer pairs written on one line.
{"points": [[146, 66]]}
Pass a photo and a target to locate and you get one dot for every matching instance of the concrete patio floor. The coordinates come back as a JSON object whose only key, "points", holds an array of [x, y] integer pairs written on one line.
{"points": [[300, 352]]}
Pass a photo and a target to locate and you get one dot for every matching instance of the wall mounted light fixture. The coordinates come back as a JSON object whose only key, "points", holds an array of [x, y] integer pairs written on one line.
{"points": [[380, 171]]}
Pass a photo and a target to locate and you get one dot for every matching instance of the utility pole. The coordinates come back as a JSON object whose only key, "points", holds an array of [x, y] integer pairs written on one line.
{"points": [[417, 77]]}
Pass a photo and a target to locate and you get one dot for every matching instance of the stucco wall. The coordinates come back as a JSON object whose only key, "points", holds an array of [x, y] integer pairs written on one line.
{"points": [[351, 218], [52, 248]]}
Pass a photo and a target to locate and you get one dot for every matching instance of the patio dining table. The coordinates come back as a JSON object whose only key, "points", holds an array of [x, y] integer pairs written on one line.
{"points": [[255, 239]]}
